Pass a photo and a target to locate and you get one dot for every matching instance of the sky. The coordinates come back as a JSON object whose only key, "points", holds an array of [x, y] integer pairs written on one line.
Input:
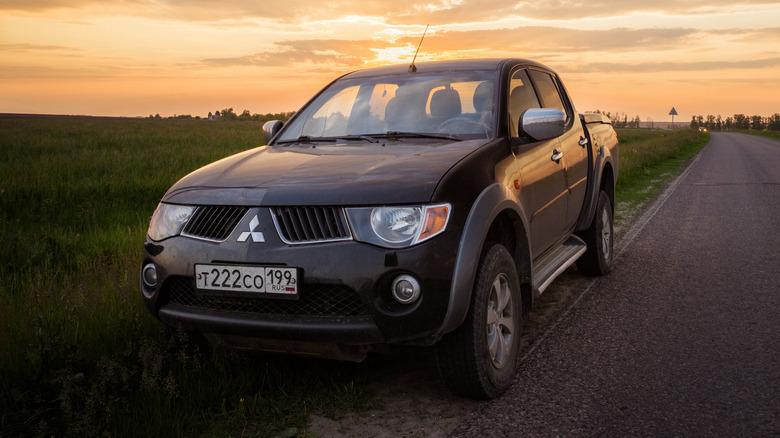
{"points": [[172, 57]]}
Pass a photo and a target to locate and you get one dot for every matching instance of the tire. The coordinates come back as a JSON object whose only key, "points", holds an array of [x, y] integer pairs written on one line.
{"points": [[600, 240], [479, 359]]}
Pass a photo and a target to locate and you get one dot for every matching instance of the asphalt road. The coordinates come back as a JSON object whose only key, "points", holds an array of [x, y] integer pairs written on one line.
{"points": [[683, 337]]}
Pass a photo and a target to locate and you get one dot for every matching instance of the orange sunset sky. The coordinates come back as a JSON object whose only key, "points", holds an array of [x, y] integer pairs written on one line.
{"points": [[141, 57]]}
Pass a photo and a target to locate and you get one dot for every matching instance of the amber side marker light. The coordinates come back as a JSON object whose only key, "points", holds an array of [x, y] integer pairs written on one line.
{"points": [[434, 222]]}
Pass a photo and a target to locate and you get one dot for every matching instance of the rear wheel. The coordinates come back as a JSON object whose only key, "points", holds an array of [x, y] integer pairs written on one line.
{"points": [[479, 359], [600, 240]]}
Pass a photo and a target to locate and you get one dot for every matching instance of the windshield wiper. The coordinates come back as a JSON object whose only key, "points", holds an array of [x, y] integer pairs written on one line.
{"points": [[367, 138], [306, 139], [310, 139], [401, 134]]}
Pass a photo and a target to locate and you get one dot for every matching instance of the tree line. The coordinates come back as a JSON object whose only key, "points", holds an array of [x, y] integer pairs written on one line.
{"points": [[229, 114], [621, 120], [738, 121]]}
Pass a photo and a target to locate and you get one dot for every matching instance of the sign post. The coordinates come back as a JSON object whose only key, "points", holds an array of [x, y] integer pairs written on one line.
{"points": [[673, 113]]}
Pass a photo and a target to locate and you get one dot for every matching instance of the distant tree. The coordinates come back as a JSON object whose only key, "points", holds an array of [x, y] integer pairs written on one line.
{"points": [[710, 123], [245, 115], [773, 122], [694, 122], [729, 123], [741, 121], [757, 123], [228, 114], [719, 123], [210, 114]]}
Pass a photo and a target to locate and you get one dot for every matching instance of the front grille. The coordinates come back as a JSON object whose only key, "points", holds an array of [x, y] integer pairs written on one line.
{"points": [[213, 222], [311, 224], [315, 300]]}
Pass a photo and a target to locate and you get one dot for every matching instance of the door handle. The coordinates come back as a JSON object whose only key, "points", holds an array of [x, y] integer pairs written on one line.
{"points": [[557, 155], [583, 141]]}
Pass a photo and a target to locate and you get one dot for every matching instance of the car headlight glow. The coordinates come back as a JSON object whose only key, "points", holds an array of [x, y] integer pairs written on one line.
{"points": [[168, 220], [398, 227]]}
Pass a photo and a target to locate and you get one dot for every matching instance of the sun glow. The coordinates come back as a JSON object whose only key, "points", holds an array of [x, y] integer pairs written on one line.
{"points": [[631, 57], [393, 55]]}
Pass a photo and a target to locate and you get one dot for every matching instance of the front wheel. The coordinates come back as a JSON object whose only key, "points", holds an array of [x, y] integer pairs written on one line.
{"points": [[479, 359], [600, 240]]}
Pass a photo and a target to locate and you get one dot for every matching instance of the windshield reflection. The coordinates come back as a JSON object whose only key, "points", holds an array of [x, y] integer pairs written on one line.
{"points": [[455, 105]]}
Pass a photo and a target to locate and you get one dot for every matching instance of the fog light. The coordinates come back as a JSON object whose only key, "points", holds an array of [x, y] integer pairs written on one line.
{"points": [[406, 289], [149, 275]]}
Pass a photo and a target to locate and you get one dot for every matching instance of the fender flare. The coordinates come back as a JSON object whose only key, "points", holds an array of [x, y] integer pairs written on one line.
{"points": [[495, 199], [591, 199]]}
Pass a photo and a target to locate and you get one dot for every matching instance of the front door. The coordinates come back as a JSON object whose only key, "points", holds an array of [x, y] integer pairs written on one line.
{"points": [[543, 189]]}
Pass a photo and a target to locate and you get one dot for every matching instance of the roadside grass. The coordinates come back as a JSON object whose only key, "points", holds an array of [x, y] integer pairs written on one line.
{"points": [[79, 354], [769, 134], [649, 160]]}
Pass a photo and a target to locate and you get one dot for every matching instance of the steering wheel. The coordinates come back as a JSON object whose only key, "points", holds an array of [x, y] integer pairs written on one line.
{"points": [[462, 125]]}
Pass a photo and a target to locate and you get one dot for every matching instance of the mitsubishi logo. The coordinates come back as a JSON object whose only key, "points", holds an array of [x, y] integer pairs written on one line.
{"points": [[257, 236]]}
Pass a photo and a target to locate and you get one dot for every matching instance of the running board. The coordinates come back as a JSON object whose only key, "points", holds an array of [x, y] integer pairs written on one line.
{"points": [[557, 260]]}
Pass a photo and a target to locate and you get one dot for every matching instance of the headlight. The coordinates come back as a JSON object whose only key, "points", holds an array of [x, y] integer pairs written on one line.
{"points": [[168, 220], [395, 225], [398, 227]]}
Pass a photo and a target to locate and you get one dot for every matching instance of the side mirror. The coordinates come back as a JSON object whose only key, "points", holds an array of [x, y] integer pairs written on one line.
{"points": [[270, 129], [542, 123]]}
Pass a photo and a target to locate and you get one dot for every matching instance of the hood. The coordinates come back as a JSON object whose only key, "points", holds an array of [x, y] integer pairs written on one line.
{"points": [[340, 174]]}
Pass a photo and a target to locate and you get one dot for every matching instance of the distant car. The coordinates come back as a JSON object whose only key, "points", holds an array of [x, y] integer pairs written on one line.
{"points": [[702, 129], [398, 206]]}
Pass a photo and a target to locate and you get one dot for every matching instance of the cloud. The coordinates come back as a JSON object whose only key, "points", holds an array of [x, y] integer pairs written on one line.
{"points": [[760, 35], [31, 48], [40, 5], [539, 39], [539, 42], [576, 9], [440, 12], [654, 67], [347, 53]]}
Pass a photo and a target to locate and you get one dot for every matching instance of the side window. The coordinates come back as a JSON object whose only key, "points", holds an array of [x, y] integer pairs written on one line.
{"points": [[551, 98], [521, 98]]}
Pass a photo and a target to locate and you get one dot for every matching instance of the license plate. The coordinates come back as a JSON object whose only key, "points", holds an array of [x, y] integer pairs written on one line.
{"points": [[257, 279]]}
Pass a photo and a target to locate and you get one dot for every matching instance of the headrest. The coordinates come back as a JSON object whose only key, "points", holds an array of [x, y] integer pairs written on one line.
{"points": [[482, 95], [445, 103], [522, 98]]}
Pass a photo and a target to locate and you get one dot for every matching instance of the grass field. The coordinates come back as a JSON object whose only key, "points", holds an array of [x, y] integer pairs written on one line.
{"points": [[79, 355], [775, 135]]}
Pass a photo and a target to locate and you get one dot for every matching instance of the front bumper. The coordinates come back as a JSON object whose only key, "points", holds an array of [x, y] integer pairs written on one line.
{"points": [[344, 296]]}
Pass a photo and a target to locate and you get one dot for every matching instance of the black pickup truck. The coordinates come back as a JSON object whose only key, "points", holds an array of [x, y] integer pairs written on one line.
{"points": [[401, 205]]}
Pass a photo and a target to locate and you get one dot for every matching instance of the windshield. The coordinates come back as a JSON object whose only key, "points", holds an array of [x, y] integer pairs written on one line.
{"points": [[454, 105]]}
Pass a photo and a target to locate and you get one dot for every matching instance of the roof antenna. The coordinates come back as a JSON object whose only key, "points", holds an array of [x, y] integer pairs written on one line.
{"points": [[413, 68]]}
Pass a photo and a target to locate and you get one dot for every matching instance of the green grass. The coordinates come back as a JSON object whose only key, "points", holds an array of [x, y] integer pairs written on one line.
{"points": [[79, 355], [649, 159], [769, 134]]}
